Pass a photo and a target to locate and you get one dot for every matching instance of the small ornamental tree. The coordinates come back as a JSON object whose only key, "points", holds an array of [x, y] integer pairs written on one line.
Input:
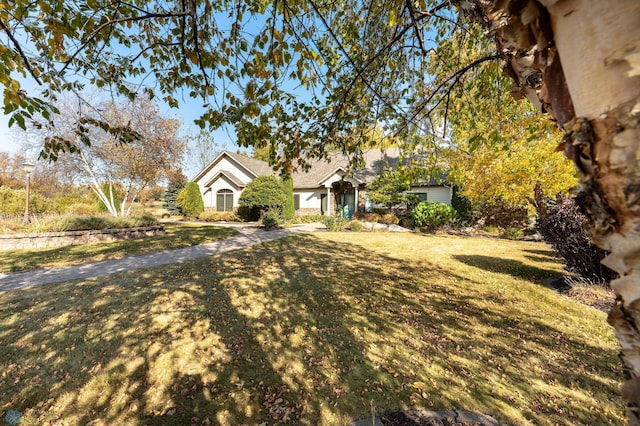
{"points": [[190, 200], [390, 188], [262, 194]]}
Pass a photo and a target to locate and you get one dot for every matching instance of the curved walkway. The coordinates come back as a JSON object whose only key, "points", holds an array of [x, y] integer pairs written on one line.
{"points": [[247, 236]]}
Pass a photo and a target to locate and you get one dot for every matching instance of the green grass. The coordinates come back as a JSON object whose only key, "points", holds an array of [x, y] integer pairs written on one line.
{"points": [[177, 235], [313, 330]]}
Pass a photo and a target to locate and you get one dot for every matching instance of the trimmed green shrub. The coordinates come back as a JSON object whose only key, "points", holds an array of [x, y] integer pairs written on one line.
{"points": [[335, 223], [190, 200], [433, 215], [270, 219], [355, 226], [262, 194], [513, 234]]}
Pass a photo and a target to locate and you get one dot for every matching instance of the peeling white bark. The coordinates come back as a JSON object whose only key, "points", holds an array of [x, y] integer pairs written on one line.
{"points": [[581, 60]]}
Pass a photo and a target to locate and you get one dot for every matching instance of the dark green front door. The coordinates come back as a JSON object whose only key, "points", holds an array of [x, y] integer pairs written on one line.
{"points": [[348, 203]]}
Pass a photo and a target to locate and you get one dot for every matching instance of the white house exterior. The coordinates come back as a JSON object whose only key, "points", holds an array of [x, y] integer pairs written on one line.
{"points": [[324, 189]]}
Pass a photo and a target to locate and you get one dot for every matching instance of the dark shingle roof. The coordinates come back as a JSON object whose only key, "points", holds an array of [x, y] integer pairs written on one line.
{"points": [[255, 166], [376, 160]]}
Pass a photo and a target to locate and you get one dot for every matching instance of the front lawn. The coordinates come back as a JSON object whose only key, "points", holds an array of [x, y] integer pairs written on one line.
{"points": [[176, 235], [312, 330]]}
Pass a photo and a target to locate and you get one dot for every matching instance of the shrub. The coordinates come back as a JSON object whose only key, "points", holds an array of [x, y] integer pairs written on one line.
{"points": [[502, 214], [82, 209], [563, 230], [86, 223], [372, 217], [355, 226], [335, 223], [289, 208], [389, 219], [210, 216], [143, 220], [271, 219], [433, 215], [262, 194], [462, 206], [406, 222], [190, 200], [310, 218], [12, 202], [513, 234]]}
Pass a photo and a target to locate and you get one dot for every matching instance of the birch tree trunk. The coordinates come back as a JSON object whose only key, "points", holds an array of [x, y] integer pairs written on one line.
{"points": [[579, 60]]}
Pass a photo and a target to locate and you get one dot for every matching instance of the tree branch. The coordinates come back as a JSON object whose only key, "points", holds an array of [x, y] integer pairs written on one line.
{"points": [[20, 52], [117, 21]]}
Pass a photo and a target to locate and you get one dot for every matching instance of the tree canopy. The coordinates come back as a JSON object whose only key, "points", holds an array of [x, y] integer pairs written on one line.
{"points": [[292, 75]]}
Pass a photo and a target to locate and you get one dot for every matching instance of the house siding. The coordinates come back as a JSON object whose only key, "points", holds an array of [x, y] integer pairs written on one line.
{"points": [[309, 200], [209, 193], [435, 194]]}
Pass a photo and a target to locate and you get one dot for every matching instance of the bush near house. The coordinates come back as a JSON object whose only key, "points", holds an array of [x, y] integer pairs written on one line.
{"points": [[433, 215], [335, 223], [190, 200], [271, 219], [261, 194]]}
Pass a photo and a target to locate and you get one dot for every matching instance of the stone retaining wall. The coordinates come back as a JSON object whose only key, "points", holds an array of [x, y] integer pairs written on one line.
{"points": [[60, 239]]}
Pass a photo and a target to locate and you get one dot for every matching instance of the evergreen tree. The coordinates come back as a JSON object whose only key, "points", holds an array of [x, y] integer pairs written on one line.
{"points": [[177, 181], [289, 210], [190, 200]]}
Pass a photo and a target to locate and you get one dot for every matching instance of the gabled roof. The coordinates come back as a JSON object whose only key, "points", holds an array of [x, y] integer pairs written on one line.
{"points": [[253, 166], [229, 176]]}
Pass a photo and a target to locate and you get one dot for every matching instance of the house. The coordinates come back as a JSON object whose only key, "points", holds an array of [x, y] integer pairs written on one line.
{"points": [[326, 187]]}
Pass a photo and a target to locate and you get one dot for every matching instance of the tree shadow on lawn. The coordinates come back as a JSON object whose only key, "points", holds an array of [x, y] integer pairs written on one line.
{"points": [[299, 331], [515, 268]]}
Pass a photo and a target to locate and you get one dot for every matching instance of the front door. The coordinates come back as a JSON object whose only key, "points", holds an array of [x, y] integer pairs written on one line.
{"points": [[348, 203]]}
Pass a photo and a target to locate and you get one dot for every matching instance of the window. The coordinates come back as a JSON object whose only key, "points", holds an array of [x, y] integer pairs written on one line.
{"points": [[422, 196], [224, 200], [296, 202]]}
